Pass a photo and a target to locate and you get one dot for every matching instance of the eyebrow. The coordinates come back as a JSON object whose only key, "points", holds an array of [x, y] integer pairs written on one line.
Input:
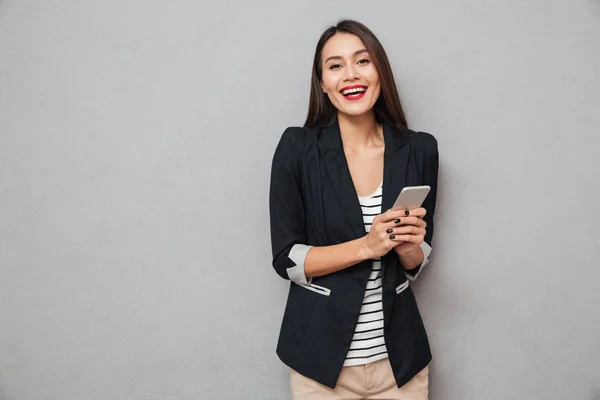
{"points": [[339, 57]]}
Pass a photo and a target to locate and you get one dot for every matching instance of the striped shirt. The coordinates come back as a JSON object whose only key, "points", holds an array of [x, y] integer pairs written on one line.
{"points": [[368, 344]]}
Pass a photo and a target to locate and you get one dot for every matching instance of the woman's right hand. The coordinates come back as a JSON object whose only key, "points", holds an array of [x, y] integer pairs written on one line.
{"points": [[381, 238]]}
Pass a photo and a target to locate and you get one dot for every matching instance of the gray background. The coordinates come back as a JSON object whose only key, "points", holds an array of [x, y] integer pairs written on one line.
{"points": [[135, 146]]}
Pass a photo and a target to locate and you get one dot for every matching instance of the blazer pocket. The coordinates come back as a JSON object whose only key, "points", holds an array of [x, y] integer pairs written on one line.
{"points": [[316, 288], [402, 287]]}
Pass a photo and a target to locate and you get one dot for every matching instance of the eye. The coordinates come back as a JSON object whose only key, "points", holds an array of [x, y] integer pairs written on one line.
{"points": [[335, 66], [364, 61]]}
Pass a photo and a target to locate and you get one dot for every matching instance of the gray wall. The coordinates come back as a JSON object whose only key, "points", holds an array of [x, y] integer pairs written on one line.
{"points": [[135, 147]]}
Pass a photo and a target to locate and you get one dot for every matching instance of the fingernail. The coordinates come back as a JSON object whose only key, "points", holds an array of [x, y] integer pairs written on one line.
{"points": [[390, 231], [406, 212], [397, 221], [392, 237]]}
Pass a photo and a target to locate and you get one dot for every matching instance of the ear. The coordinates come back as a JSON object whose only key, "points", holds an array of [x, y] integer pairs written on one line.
{"points": [[323, 88]]}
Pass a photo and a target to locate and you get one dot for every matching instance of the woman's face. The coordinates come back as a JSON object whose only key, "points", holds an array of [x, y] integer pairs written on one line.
{"points": [[349, 77]]}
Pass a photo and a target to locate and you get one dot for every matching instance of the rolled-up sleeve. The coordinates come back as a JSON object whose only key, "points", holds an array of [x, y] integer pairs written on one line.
{"points": [[286, 208], [430, 177]]}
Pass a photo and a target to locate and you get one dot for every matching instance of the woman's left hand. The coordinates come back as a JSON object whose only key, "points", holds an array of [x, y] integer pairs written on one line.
{"points": [[410, 232]]}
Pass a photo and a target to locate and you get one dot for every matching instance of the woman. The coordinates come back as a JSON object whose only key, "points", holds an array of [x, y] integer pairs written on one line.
{"points": [[351, 328]]}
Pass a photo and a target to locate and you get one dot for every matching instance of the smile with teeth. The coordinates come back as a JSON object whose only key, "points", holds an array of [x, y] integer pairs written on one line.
{"points": [[354, 91]]}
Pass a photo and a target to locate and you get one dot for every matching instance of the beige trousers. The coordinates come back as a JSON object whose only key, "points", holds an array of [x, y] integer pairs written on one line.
{"points": [[362, 382]]}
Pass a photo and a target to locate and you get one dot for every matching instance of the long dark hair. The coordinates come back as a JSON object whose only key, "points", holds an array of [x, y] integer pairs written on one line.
{"points": [[320, 110]]}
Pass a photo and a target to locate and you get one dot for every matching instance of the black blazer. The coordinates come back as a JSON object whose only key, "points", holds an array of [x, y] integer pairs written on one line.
{"points": [[313, 202]]}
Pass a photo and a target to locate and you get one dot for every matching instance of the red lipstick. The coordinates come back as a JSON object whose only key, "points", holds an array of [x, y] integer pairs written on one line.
{"points": [[354, 94]]}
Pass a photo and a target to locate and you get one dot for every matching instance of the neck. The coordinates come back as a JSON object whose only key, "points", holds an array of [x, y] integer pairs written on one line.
{"points": [[359, 130]]}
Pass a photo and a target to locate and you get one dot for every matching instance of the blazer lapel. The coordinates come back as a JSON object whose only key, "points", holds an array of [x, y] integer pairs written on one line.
{"points": [[395, 168], [330, 145], [395, 164]]}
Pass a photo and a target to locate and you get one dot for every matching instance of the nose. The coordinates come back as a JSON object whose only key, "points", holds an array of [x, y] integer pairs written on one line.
{"points": [[351, 74]]}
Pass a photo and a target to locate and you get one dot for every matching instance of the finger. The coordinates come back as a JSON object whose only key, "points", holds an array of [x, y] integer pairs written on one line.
{"points": [[416, 221], [407, 238], [407, 230], [394, 243], [408, 221], [417, 212], [390, 215]]}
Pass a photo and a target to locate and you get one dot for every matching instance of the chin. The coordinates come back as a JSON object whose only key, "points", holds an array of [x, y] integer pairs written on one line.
{"points": [[355, 112]]}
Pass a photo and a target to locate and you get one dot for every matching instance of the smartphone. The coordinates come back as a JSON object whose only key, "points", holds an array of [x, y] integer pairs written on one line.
{"points": [[411, 197]]}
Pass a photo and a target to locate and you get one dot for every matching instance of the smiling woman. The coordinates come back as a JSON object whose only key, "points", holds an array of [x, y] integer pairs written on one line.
{"points": [[351, 48], [351, 327], [349, 75]]}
